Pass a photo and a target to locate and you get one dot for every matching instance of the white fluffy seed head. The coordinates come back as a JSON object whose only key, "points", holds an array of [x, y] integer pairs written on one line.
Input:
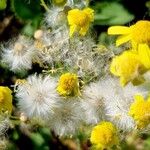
{"points": [[55, 17], [117, 102], [38, 97], [67, 118], [4, 124], [51, 51], [19, 54], [3, 143], [18, 47], [93, 104]]}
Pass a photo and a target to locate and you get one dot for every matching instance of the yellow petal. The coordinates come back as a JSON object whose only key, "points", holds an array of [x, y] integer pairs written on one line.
{"points": [[73, 28], [123, 81], [83, 30], [134, 45], [122, 39], [114, 66], [90, 13], [144, 55], [72, 14], [138, 98], [116, 30]]}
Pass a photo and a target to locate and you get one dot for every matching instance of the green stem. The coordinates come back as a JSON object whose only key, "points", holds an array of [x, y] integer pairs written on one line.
{"points": [[44, 5], [14, 118]]}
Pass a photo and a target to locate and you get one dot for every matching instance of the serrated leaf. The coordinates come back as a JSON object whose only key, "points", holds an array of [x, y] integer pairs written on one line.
{"points": [[111, 14]]}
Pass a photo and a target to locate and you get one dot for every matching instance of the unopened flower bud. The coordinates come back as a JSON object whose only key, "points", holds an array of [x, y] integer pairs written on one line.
{"points": [[38, 34], [23, 117]]}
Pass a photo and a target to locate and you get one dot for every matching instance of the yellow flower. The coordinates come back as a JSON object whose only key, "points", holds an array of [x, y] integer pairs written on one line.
{"points": [[68, 85], [144, 55], [104, 135], [128, 67], [140, 111], [5, 99], [138, 33], [79, 20]]}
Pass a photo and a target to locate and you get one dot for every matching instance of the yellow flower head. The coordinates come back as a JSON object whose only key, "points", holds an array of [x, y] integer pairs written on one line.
{"points": [[104, 135], [79, 20], [5, 99], [140, 111], [127, 66], [68, 85], [138, 33], [144, 55]]}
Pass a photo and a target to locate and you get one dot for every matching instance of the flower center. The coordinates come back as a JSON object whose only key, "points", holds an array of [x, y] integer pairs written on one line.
{"points": [[39, 98], [68, 85], [82, 19], [18, 49], [104, 134], [141, 32]]}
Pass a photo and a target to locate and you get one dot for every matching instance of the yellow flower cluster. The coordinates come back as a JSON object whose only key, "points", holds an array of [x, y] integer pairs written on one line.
{"points": [[5, 99], [130, 65], [127, 66], [138, 33], [68, 85], [104, 135], [140, 111], [79, 20]]}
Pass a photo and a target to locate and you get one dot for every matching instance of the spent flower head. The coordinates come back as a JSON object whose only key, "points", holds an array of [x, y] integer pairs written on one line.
{"points": [[19, 55], [93, 103], [55, 17], [117, 101], [49, 50], [5, 123], [37, 96], [66, 119]]}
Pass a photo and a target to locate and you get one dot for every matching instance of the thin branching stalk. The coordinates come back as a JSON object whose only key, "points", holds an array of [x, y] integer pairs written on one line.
{"points": [[44, 5]]}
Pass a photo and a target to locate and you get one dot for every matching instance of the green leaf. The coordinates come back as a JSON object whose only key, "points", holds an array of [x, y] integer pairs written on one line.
{"points": [[147, 144], [29, 12], [26, 10], [111, 14], [31, 26], [3, 4], [37, 139], [104, 38]]}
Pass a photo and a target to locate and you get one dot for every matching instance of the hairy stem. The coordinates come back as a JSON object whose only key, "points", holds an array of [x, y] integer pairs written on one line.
{"points": [[44, 5]]}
